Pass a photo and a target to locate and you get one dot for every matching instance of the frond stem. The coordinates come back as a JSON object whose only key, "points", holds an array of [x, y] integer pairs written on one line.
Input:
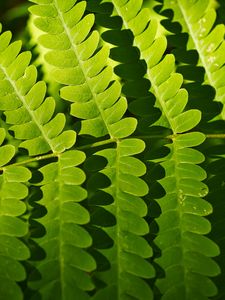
{"points": [[31, 160], [106, 142], [215, 136], [97, 144], [197, 44]]}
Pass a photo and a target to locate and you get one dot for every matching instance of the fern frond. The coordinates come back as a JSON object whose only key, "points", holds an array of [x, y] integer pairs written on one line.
{"points": [[136, 223], [165, 83], [82, 67], [67, 265], [39, 51], [22, 101], [181, 224], [12, 228], [128, 256], [198, 20], [215, 181]]}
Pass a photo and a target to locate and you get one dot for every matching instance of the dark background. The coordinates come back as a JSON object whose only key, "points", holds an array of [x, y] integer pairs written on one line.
{"points": [[13, 16]]}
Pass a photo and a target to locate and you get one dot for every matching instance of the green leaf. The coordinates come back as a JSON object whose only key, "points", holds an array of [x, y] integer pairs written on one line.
{"points": [[187, 120], [182, 181], [67, 262], [198, 19], [118, 191], [7, 152], [12, 227], [82, 68], [124, 171]]}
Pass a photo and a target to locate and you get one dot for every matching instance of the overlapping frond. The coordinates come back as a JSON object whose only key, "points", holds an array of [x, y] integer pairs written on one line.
{"points": [[81, 66], [12, 228], [129, 266], [23, 102], [164, 85], [215, 182], [67, 265], [186, 252], [133, 225], [181, 224], [198, 19]]}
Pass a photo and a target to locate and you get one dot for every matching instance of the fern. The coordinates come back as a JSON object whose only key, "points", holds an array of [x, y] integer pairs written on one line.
{"points": [[130, 250], [111, 163], [75, 65], [101, 109], [198, 20], [63, 275], [180, 181], [22, 100], [13, 250]]}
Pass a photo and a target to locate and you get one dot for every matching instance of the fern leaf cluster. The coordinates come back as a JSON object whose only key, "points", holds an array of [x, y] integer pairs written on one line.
{"points": [[13, 250], [23, 101], [81, 69], [205, 37], [130, 250], [112, 183], [65, 240]]}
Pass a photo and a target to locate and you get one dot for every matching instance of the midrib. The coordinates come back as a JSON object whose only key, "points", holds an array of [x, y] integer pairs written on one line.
{"points": [[197, 45], [154, 86], [61, 258], [180, 210], [118, 221], [31, 113], [87, 80], [163, 106]]}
